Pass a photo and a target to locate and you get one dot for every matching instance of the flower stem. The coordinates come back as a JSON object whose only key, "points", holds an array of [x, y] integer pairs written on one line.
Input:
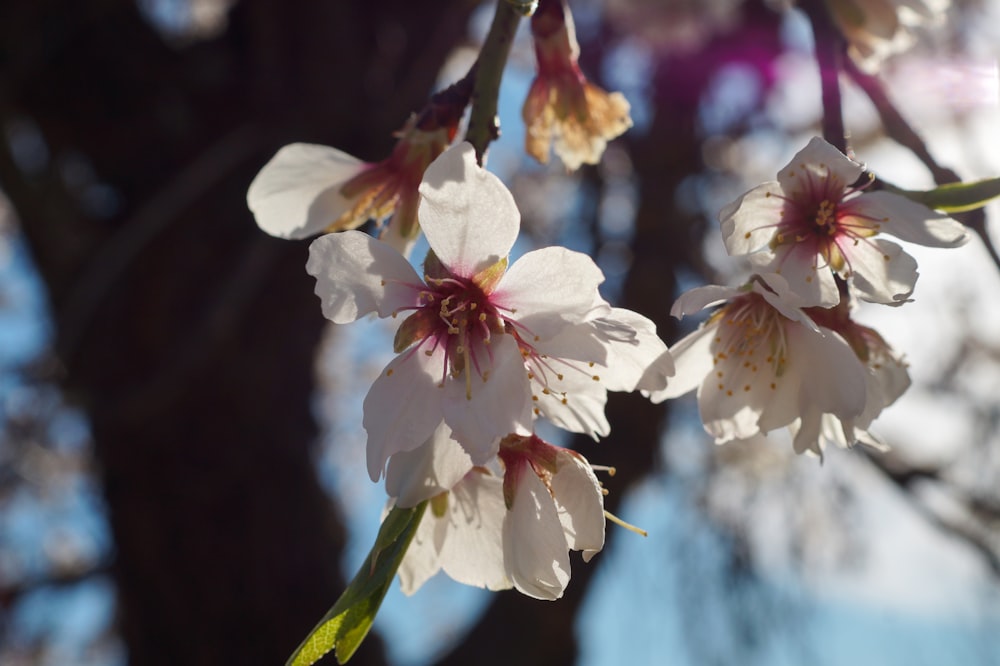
{"points": [[484, 126]]}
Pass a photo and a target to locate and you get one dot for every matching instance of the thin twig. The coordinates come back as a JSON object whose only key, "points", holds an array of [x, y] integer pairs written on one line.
{"points": [[484, 126], [900, 131], [830, 48], [895, 125]]}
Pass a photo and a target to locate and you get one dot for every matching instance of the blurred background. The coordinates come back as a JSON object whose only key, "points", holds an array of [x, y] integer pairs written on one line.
{"points": [[181, 452]]}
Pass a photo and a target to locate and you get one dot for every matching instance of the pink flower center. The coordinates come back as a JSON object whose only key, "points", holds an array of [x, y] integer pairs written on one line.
{"points": [[824, 214], [456, 315]]}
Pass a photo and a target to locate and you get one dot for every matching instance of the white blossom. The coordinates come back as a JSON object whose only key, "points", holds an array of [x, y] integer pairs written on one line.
{"points": [[481, 347], [759, 364], [814, 222]]}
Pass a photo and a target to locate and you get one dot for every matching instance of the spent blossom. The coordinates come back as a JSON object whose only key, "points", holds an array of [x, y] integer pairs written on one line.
{"points": [[877, 29], [564, 108], [511, 524], [759, 364], [308, 189], [815, 222], [482, 347]]}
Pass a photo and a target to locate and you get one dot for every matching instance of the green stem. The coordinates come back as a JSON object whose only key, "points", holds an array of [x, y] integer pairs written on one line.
{"points": [[484, 126]]}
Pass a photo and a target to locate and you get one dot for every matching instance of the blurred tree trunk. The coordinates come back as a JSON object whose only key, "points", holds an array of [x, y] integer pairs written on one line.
{"points": [[186, 334]]}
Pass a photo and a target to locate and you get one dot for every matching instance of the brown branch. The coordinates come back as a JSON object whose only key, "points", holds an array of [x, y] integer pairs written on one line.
{"points": [[830, 56]]}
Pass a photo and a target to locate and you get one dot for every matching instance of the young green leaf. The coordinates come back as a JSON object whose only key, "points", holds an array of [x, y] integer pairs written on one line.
{"points": [[346, 624], [955, 197]]}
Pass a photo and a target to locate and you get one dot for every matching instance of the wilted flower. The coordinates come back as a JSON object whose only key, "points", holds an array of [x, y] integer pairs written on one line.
{"points": [[877, 29], [759, 364], [307, 189], [480, 341], [814, 222], [563, 107]]}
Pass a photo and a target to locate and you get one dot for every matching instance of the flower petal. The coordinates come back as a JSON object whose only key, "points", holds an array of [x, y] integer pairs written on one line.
{"points": [[548, 289], [498, 406], [819, 166], [579, 501], [699, 298], [803, 282], [431, 469], [910, 221], [535, 549], [639, 361], [403, 407], [882, 272], [693, 357], [576, 401], [422, 559], [297, 193], [749, 223], [467, 214], [356, 274], [473, 553], [836, 381]]}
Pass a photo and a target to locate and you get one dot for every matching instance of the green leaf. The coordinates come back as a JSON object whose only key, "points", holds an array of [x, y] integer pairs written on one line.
{"points": [[346, 624], [955, 197]]}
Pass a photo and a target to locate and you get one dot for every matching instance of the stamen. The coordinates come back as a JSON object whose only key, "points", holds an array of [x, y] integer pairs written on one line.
{"points": [[621, 523]]}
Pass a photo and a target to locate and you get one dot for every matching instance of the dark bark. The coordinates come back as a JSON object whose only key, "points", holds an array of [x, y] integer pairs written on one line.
{"points": [[185, 333]]}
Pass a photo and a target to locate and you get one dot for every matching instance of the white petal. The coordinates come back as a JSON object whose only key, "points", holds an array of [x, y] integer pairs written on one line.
{"points": [[429, 470], [910, 221], [548, 289], [732, 406], [422, 559], [575, 402], [579, 501], [806, 435], [467, 214], [882, 272], [356, 274], [498, 406], [472, 552], [578, 342], [749, 223], [297, 193], [806, 283], [724, 418], [692, 356], [535, 549], [637, 361], [836, 377], [699, 298], [819, 164], [779, 299], [403, 407]]}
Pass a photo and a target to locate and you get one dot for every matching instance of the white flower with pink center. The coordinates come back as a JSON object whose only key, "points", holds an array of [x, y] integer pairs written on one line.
{"points": [[759, 364], [478, 341], [308, 189], [815, 222], [509, 524]]}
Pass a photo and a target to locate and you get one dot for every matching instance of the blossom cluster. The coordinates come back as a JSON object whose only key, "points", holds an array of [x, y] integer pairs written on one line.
{"points": [[783, 349], [486, 346]]}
